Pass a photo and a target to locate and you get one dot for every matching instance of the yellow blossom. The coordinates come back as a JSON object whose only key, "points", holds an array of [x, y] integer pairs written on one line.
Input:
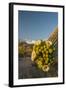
{"points": [[38, 42], [39, 64], [45, 68], [33, 56], [50, 50], [48, 43]]}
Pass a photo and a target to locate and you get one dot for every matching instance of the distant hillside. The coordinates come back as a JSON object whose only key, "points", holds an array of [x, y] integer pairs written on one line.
{"points": [[25, 49]]}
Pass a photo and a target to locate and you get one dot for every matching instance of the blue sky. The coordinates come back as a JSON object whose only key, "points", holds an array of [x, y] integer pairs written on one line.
{"points": [[36, 25]]}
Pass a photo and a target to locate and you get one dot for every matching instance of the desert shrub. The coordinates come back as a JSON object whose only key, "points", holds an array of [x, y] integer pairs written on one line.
{"points": [[21, 50]]}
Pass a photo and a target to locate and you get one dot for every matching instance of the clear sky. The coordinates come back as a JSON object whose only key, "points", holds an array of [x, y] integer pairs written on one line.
{"points": [[36, 25]]}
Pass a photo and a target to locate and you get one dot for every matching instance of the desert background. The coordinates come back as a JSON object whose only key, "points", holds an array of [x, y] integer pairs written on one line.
{"points": [[27, 68]]}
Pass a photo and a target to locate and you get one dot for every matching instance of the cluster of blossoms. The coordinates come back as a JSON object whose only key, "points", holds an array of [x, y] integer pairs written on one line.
{"points": [[42, 54]]}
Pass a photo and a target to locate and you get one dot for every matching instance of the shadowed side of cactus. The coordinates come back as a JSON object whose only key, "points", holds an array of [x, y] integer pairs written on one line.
{"points": [[54, 38]]}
